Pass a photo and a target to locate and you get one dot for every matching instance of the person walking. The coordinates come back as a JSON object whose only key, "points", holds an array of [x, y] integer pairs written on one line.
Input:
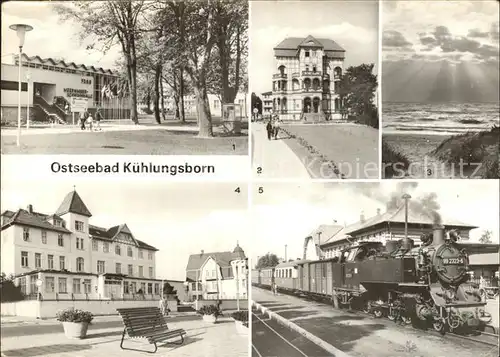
{"points": [[98, 118], [90, 122], [269, 128], [276, 125], [83, 118], [163, 305]]}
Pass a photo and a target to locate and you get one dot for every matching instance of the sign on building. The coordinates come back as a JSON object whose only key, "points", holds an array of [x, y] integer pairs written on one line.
{"points": [[78, 104]]}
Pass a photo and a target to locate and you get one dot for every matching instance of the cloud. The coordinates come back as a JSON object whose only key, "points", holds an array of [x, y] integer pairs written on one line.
{"points": [[494, 31], [392, 38], [476, 33]]}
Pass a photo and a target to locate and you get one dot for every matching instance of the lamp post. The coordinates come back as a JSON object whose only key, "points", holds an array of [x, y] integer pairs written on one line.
{"points": [[28, 79], [21, 30], [406, 197]]}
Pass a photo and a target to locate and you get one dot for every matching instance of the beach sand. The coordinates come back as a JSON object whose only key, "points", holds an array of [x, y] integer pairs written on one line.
{"points": [[417, 148]]}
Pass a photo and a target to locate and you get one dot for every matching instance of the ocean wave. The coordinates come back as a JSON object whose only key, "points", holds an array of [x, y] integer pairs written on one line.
{"points": [[470, 121]]}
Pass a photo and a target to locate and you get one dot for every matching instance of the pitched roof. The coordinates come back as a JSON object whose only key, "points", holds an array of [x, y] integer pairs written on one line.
{"points": [[108, 235], [290, 45], [73, 203], [38, 220], [394, 216], [55, 62]]}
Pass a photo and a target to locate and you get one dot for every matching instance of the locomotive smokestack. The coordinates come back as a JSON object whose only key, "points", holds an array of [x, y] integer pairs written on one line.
{"points": [[406, 242], [438, 235]]}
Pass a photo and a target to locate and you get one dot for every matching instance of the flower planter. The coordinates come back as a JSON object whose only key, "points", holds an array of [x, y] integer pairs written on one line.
{"points": [[240, 328], [210, 318], [75, 330]]}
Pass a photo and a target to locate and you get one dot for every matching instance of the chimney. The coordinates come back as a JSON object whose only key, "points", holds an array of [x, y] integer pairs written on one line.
{"points": [[202, 252], [438, 235], [362, 217], [30, 209], [378, 211]]}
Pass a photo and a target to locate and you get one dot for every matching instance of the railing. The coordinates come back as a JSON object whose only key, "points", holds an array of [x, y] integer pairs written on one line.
{"points": [[295, 74], [52, 111], [280, 75], [312, 89], [311, 73]]}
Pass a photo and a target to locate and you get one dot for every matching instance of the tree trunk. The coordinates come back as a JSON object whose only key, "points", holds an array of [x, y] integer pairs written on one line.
{"points": [[203, 110], [181, 95], [163, 114], [133, 93], [157, 93]]}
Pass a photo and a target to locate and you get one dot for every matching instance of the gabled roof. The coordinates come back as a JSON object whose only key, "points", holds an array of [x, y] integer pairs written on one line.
{"points": [[73, 203], [96, 232], [394, 216], [196, 261], [310, 41], [37, 220]]}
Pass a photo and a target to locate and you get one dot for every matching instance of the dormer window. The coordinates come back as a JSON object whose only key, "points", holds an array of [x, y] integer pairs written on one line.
{"points": [[79, 226], [57, 223]]}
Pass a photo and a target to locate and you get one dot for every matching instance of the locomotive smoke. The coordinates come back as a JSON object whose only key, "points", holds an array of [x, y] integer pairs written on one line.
{"points": [[425, 205]]}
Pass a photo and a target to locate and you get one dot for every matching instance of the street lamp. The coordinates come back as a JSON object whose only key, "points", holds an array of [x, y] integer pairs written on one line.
{"points": [[21, 30], [28, 79], [406, 197]]}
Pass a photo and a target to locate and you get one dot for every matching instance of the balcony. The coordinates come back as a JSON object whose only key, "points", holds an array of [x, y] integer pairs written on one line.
{"points": [[312, 90], [295, 74], [337, 77], [279, 91], [311, 73], [280, 76]]}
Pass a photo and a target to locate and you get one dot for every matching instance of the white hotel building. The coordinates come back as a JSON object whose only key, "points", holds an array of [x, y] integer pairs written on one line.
{"points": [[74, 260], [305, 84]]}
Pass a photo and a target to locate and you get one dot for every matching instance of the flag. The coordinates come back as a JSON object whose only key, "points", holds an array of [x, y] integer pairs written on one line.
{"points": [[103, 91]]}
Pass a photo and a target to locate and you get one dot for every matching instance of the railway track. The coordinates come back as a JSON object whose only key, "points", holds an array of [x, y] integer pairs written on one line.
{"points": [[482, 337]]}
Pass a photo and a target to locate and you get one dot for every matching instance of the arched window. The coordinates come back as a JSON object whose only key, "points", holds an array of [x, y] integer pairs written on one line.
{"points": [[80, 266]]}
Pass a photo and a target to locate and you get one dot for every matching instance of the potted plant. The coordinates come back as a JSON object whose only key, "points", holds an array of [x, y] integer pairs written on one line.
{"points": [[210, 313], [241, 321], [75, 322]]}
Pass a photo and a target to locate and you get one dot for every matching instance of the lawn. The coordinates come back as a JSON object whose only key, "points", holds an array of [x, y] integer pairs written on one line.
{"points": [[352, 148], [132, 142]]}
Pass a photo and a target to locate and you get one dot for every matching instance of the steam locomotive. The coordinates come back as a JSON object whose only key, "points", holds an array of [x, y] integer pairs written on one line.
{"points": [[426, 285]]}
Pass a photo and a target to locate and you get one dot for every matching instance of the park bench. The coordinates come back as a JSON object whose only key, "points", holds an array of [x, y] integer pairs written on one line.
{"points": [[148, 323]]}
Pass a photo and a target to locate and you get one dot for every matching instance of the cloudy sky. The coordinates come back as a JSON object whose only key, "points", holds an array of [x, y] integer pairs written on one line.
{"points": [[353, 25], [177, 218], [448, 49], [285, 213], [50, 37]]}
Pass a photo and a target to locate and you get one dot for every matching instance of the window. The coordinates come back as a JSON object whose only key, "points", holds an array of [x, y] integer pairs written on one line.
{"points": [[80, 266], [129, 251], [76, 286], [49, 284], [13, 85], [150, 256], [150, 272], [86, 286], [118, 268], [133, 287], [100, 267], [24, 259], [130, 270], [79, 226], [61, 263], [79, 243], [143, 288], [126, 287], [150, 288], [141, 254], [44, 237], [33, 287], [105, 247], [157, 288], [50, 261], [26, 234], [22, 283], [141, 271], [38, 260], [63, 288], [307, 54], [216, 104], [118, 250], [314, 68], [95, 245], [60, 240]]}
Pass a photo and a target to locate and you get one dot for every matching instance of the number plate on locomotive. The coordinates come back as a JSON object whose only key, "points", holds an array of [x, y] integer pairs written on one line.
{"points": [[453, 261]]}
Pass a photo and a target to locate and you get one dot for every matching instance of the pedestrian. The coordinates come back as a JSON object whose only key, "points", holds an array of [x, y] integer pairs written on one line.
{"points": [[83, 118], [163, 305], [269, 128], [98, 118], [90, 122], [276, 125], [275, 288]]}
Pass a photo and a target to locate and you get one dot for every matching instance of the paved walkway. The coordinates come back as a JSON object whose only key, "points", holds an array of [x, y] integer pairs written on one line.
{"points": [[203, 339], [365, 336], [274, 157]]}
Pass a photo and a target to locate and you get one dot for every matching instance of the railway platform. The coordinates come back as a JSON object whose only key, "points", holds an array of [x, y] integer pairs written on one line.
{"points": [[360, 335]]}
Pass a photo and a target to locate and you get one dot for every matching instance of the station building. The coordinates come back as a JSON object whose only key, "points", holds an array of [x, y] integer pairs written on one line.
{"points": [[61, 256], [327, 241], [218, 275], [48, 84], [304, 86]]}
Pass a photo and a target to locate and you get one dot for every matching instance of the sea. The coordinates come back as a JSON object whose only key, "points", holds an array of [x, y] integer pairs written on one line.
{"points": [[439, 118]]}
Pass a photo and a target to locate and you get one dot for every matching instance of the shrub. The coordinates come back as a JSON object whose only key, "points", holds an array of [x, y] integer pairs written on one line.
{"points": [[391, 157], [74, 315], [241, 315], [9, 291], [210, 310]]}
